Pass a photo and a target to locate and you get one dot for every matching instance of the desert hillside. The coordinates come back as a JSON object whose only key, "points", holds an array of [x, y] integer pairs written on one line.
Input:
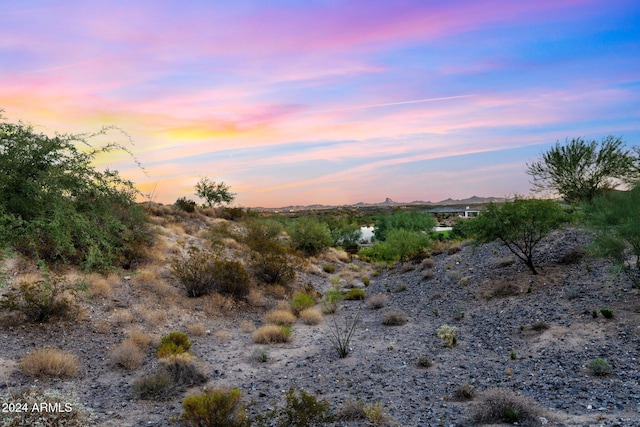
{"points": [[539, 344]]}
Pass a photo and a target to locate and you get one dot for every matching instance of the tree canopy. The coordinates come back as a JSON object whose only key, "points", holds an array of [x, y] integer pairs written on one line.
{"points": [[214, 193], [55, 206], [580, 170], [519, 224]]}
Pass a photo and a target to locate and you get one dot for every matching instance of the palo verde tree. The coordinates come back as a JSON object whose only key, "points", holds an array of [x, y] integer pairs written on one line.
{"points": [[616, 217], [519, 224], [214, 193], [57, 207], [580, 170]]}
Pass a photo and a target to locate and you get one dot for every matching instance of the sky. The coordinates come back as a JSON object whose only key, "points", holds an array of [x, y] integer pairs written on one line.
{"points": [[325, 102]]}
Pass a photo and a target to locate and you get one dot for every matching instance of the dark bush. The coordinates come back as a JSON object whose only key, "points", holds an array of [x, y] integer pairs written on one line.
{"points": [[504, 406], [273, 268], [158, 385], [185, 204], [304, 411], [394, 318], [203, 273], [42, 300], [310, 235]]}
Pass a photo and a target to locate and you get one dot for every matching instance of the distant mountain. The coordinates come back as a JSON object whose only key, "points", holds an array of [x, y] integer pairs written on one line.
{"points": [[471, 200]]}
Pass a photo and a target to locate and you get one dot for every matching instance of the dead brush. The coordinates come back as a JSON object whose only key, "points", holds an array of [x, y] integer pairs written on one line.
{"points": [[127, 354], [504, 406], [49, 362], [310, 316], [272, 334]]}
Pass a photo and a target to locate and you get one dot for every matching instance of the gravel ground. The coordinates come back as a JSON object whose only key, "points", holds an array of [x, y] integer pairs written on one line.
{"points": [[535, 341]]}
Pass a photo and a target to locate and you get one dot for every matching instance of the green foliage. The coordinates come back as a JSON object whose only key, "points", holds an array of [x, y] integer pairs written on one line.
{"points": [[303, 411], [330, 300], [424, 361], [616, 217], [215, 408], [415, 221], [607, 313], [204, 272], [214, 193], [344, 233], [42, 300], [272, 268], [55, 206], [309, 235], [328, 268], [580, 170], [599, 367], [185, 204], [300, 301], [355, 294], [174, 343], [520, 225]]}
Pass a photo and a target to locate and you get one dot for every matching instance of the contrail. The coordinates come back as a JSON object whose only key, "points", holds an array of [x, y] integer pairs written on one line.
{"points": [[388, 104]]}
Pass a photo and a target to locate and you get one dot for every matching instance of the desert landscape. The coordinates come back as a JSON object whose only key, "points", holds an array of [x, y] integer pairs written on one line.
{"points": [[532, 337]]}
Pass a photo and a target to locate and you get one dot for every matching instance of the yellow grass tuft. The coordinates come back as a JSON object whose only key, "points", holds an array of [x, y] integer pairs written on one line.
{"points": [[98, 285], [311, 316], [247, 326], [141, 339], [50, 362], [196, 329], [270, 334], [280, 317]]}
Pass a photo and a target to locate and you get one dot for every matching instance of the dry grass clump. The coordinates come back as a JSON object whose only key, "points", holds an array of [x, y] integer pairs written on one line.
{"points": [[407, 267], [428, 275], [427, 263], [127, 354], [247, 326], [464, 392], [50, 362], [256, 298], [439, 247], [98, 285], [377, 301], [454, 248], [311, 316], [333, 255], [375, 414], [146, 278], [504, 406], [121, 317], [141, 339], [196, 329], [351, 410], [505, 262], [217, 304], [394, 318], [223, 335], [504, 290], [272, 334], [280, 317]]}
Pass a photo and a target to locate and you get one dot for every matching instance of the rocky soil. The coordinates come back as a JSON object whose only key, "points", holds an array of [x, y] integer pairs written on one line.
{"points": [[498, 306]]}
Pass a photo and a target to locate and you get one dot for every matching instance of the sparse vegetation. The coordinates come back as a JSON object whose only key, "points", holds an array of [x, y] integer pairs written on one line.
{"points": [[301, 301], [600, 367], [127, 354], [607, 313], [340, 337], [377, 301], [448, 335], [311, 316], [215, 407], [424, 361], [272, 334], [303, 410], [355, 294], [504, 406], [174, 343], [280, 317], [394, 318], [50, 362], [464, 392]]}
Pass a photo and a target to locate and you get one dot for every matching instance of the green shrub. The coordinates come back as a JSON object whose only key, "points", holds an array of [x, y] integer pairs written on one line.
{"points": [[366, 281], [355, 294], [185, 204], [520, 225], [309, 235], [415, 221], [424, 362], [328, 268], [599, 367], [303, 411], [607, 313], [42, 300], [72, 412], [273, 268], [56, 207], [204, 272], [330, 300], [300, 301], [215, 408], [174, 343]]}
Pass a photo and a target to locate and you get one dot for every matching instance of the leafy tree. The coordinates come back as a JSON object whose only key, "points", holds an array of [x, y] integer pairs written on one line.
{"points": [[344, 233], [580, 170], [616, 216], [520, 225], [407, 244], [411, 221], [55, 206], [215, 193], [309, 235]]}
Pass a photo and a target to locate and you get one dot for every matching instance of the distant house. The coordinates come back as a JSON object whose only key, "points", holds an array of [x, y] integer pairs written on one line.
{"points": [[469, 213]]}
